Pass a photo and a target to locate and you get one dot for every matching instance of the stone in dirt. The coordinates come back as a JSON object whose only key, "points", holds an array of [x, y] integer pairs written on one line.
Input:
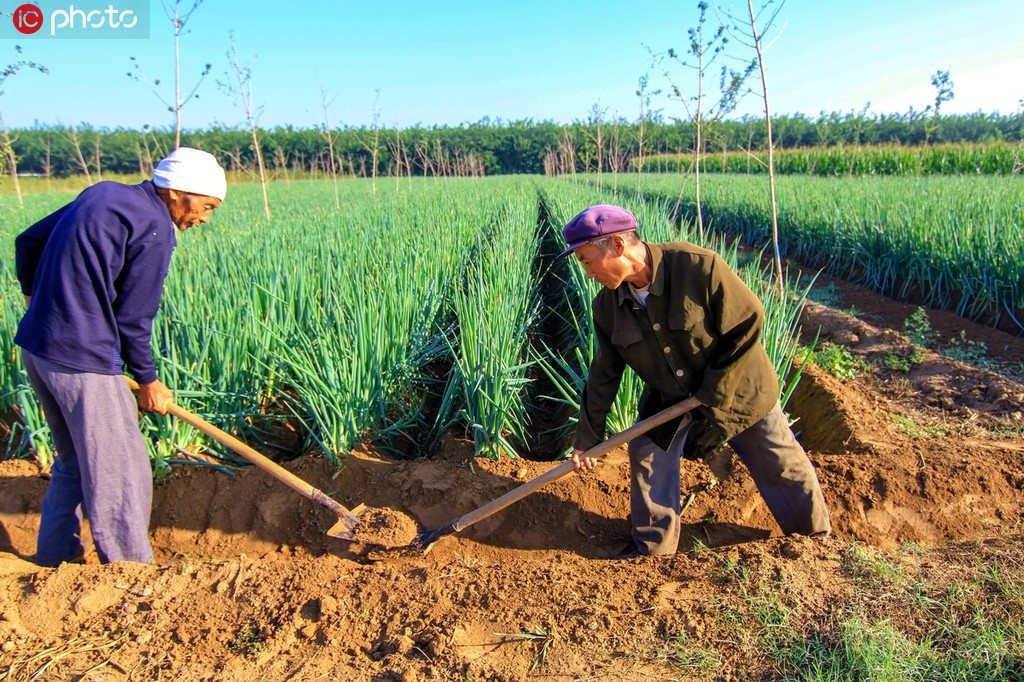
{"points": [[385, 527]]}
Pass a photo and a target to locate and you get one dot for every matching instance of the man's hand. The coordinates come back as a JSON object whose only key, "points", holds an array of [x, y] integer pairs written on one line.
{"points": [[583, 463], [155, 397], [28, 301]]}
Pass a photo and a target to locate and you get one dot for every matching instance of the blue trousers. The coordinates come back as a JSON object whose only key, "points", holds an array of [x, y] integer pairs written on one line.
{"points": [[101, 466]]}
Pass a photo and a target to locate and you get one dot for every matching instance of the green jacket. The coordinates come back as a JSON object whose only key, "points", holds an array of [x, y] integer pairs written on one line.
{"points": [[698, 336]]}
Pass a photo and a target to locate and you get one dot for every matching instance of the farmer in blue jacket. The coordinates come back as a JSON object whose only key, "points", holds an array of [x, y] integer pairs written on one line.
{"points": [[92, 274]]}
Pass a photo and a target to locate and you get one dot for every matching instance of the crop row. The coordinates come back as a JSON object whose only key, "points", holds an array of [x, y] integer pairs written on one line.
{"points": [[434, 305], [950, 243], [991, 158]]}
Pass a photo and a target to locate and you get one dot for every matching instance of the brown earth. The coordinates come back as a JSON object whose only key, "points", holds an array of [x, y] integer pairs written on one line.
{"points": [[247, 585]]}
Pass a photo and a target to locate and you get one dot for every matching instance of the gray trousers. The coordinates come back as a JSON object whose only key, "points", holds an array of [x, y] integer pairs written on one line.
{"points": [[101, 466], [778, 464]]}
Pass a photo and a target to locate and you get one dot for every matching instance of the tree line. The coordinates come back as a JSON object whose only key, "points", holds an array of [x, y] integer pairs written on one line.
{"points": [[488, 146]]}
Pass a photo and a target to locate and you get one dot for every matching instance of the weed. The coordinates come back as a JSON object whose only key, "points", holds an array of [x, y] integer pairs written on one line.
{"points": [[864, 565], [837, 361], [541, 636], [896, 362], [730, 570], [913, 430], [697, 545], [679, 652], [901, 362], [247, 642], [970, 352], [919, 329], [1009, 591], [913, 548]]}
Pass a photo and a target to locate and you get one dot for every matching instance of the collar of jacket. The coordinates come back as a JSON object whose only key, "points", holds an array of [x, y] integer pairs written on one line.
{"points": [[622, 294]]}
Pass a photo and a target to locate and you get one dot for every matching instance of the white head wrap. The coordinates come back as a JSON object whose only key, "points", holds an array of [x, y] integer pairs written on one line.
{"points": [[193, 171]]}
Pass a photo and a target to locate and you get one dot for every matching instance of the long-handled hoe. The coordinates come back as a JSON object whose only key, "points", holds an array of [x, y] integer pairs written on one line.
{"points": [[426, 539], [347, 519]]}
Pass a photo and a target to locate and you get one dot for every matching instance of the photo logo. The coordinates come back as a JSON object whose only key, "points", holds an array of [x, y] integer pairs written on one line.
{"points": [[28, 19], [84, 19]]}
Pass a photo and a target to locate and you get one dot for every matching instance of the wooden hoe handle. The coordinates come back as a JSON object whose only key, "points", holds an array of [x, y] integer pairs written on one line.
{"points": [[277, 471], [567, 467]]}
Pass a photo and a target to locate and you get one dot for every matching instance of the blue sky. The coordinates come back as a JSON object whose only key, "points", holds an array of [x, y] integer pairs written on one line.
{"points": [[452, 62]]}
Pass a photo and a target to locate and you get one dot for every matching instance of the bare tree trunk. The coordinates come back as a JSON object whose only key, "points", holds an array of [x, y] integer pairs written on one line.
{"points": [[138, 156], [771, 148], [570, 151], [73, 136], [396, 154], [243, 76], [177, 78], [699, 122], [96, 156], [281, 163], [408, 168], [640, 150], [47, 163], [12, 161], [614, 159], [329, 134]]}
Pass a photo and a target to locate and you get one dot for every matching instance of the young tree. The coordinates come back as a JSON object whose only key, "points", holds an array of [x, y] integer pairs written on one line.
{"points": [[72, 136], [7, 142], [595, 121], [178, 21], [241, 89], [328, 134], [644, 96], [699, 58], [751, 33], [943, 93], [373, 144]]}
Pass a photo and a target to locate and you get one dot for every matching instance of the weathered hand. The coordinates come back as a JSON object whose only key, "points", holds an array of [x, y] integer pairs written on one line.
{"points": [[583, 463], [155, 397]]}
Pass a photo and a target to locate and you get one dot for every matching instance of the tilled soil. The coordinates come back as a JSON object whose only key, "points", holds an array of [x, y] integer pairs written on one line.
{"points": [[247, 585]]}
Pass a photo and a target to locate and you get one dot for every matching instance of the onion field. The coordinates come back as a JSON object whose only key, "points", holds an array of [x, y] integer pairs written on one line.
{"points": [[986, 158], [432, 306], [955, 243]]}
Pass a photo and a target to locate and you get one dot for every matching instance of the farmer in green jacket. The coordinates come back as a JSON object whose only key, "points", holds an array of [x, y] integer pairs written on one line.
{"points": [[688, 326]]}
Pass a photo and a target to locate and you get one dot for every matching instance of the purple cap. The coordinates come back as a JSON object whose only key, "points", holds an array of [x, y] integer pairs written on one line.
{"points": [[594, 223]]}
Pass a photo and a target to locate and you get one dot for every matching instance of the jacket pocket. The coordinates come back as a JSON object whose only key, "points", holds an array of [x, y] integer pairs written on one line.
{"points": [[690, 322]]}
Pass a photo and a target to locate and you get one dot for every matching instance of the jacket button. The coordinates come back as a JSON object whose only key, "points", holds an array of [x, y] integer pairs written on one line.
{"points": [[656, 327], [679, 372], [667, 350]]}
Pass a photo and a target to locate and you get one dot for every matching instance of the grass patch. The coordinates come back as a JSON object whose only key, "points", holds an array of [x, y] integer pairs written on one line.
{"points": [[952, 625], [865, 565], [913, 430], [682, 654]]}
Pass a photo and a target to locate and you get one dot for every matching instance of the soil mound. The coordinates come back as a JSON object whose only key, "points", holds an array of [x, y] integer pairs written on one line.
{"points": [[384, 527], [832, 419]]}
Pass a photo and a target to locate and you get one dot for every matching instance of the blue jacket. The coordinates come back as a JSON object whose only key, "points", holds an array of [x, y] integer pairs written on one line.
{"points": [[95, 270]]}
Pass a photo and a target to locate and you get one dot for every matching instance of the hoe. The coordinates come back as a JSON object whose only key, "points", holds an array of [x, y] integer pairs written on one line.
{"points": [[426, 539], [347, 519]]}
